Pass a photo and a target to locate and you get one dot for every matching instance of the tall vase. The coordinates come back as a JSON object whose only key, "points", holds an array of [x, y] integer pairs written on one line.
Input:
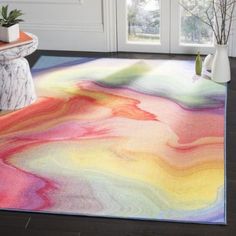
{"points": [[221, 65]]}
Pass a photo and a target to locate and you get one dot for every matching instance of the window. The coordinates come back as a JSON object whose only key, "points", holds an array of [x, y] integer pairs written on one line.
{"points": [[193, 30], [143, 21]]}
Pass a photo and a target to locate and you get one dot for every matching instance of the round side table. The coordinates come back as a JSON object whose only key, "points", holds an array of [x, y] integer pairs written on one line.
{"points": [[16, 83]]}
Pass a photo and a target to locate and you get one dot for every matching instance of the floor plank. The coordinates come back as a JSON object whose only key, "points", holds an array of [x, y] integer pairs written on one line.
{"points": [[8, 219], [20, 232]]}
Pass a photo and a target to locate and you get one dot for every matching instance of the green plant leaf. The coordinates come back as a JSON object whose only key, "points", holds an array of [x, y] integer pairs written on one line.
{"points": [[10, 19], [4, 11]]}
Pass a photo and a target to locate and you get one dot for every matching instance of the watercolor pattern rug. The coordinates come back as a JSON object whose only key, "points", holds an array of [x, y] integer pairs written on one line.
{"points": [[138, 139]]}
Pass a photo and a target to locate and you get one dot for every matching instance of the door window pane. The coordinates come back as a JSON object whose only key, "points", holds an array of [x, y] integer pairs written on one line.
{"points": [[193, 30], [143, 21]]}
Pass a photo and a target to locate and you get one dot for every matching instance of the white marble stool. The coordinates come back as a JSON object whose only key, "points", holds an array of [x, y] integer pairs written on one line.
{"points": [[16, 83]]}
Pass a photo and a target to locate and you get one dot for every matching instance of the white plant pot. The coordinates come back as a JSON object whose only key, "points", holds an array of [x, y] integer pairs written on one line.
{"points": [[208, 62], [9, 34], [221, 65]]}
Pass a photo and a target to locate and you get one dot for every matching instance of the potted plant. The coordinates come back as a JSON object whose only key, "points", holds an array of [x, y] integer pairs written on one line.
{"points": [[219, 15], [9, 24]]}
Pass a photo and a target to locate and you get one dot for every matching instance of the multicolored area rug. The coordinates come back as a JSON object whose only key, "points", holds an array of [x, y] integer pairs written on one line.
{"points": [[137, 139]]}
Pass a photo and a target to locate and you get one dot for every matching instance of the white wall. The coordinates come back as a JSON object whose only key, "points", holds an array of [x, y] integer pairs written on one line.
{"points": [[80, 25], [232, 41]]}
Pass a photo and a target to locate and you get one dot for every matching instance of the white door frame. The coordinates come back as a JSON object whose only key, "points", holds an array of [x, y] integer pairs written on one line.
{"points": [[109, 12], [122, 27]]}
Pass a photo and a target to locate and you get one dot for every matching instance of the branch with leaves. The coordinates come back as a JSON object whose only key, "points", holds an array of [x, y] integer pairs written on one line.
{"points": [[218, 15], [11, 18]]}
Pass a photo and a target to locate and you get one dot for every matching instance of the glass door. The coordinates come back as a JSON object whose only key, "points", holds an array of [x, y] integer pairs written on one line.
{"points": [[143, 25], [189, 34], [163, 26]]}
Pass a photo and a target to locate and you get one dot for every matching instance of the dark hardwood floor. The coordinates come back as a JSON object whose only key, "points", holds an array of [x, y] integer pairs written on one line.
{"points": [[15, 223]]}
